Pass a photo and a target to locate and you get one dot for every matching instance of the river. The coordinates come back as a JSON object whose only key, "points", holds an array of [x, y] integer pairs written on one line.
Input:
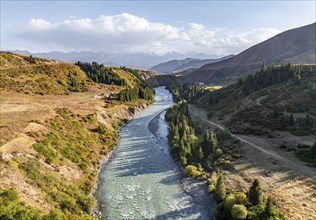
{"points": [[141, 180]]}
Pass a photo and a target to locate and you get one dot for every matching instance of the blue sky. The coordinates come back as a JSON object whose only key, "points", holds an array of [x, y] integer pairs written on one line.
{"points": [[212, 27]]}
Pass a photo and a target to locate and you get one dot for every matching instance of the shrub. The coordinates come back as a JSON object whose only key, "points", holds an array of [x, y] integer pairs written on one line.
{"points": [[191, 170], [239, 212], [101, 129], [12, 208], [303, 146], [62, 82], [211, 188], [46, 151], [8, 195]]}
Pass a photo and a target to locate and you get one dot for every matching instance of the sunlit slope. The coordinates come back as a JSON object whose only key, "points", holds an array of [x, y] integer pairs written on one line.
{"points": [[40, 76]]}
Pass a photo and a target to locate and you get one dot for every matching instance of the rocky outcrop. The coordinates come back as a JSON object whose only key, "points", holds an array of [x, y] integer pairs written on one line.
{"points": [[121, 113]]}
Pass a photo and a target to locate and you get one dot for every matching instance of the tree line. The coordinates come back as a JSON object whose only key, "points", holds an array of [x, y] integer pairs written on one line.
{"points": [[100, 74], [267, 76], [186, 91], [271, 75], [251, 205], [203, 154], [181, 135], [204, 149], [131, 94]]}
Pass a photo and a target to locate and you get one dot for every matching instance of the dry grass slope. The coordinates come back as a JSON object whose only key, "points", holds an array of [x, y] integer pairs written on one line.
{"points": [[51, 141]]}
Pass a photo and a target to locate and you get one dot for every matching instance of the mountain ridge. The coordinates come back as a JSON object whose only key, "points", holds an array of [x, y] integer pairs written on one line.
{"points": [[132, 60], [175, 66], [292, 46]]}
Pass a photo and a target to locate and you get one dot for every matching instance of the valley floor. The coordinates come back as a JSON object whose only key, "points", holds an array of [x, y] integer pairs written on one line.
{"points": [[283, 176]]}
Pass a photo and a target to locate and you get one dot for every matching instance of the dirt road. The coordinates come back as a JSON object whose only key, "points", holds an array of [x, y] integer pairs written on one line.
{"points": [[283, 177], [250, 142]]}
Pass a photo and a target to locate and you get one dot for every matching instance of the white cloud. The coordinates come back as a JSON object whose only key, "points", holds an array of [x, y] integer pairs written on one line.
{"points": [[129, 33], [39, 24], [238, 41]]}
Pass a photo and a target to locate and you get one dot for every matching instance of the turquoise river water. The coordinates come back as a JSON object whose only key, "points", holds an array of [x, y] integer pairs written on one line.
{"points": [[141, 180]]}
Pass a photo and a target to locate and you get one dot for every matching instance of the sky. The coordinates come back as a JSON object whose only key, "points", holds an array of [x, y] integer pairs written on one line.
{"points": [[188, 27]]}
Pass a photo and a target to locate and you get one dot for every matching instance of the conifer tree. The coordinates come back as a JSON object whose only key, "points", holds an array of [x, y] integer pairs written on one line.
{"points": [[213, 140], [254, 194], [201, 155], [220, 189], [270, 209]]}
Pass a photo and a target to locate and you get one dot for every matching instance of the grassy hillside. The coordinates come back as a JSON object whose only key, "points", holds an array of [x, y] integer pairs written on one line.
{"points": [[56, 126], [270, 103], [40, 76], [72, 146], [8, 60], [257, 102], [272, 114]]}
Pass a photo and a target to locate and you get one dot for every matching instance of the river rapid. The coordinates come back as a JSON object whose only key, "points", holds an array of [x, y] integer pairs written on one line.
{"points": [[141, 179]]}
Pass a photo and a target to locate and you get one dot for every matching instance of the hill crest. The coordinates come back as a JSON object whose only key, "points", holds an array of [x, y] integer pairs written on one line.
{"points": [[292, 46]]}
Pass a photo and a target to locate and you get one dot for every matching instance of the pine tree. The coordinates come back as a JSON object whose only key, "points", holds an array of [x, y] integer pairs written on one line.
{"points": [[254, 194], [240, 82], [220, 189], [270, 209], [213, 140], [206, 144], [263, 68], [201, 155]]}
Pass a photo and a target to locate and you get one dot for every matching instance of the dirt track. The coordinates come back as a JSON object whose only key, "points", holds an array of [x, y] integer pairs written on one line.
{"points": [[282, 175], [249, 140]]}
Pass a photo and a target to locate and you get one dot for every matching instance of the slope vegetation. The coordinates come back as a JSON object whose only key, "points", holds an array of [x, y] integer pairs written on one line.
{"points": [[40, 76], [276, 98], [272, 114], [57, 124]]}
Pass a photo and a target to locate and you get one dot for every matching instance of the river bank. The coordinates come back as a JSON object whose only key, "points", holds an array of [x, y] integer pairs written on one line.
{"points": [[95, 212], [141, 180], [196, 189]]}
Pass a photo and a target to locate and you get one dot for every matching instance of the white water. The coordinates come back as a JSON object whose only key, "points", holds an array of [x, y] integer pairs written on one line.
{"points": [[142, 181]]}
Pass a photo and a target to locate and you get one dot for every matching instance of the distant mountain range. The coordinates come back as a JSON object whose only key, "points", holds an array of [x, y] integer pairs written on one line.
{"points": [[176, 66], [293, 46], [133, 60]]}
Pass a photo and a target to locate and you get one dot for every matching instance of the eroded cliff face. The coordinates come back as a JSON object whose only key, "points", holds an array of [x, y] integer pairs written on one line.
{"points": [[128, 111]]}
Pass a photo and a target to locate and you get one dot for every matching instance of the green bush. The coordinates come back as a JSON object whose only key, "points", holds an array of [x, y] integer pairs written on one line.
{"points": [[191, 170], [46, 151], [72, 153], [101, 129], [11, 208], [62, 82], [239, 212]]}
